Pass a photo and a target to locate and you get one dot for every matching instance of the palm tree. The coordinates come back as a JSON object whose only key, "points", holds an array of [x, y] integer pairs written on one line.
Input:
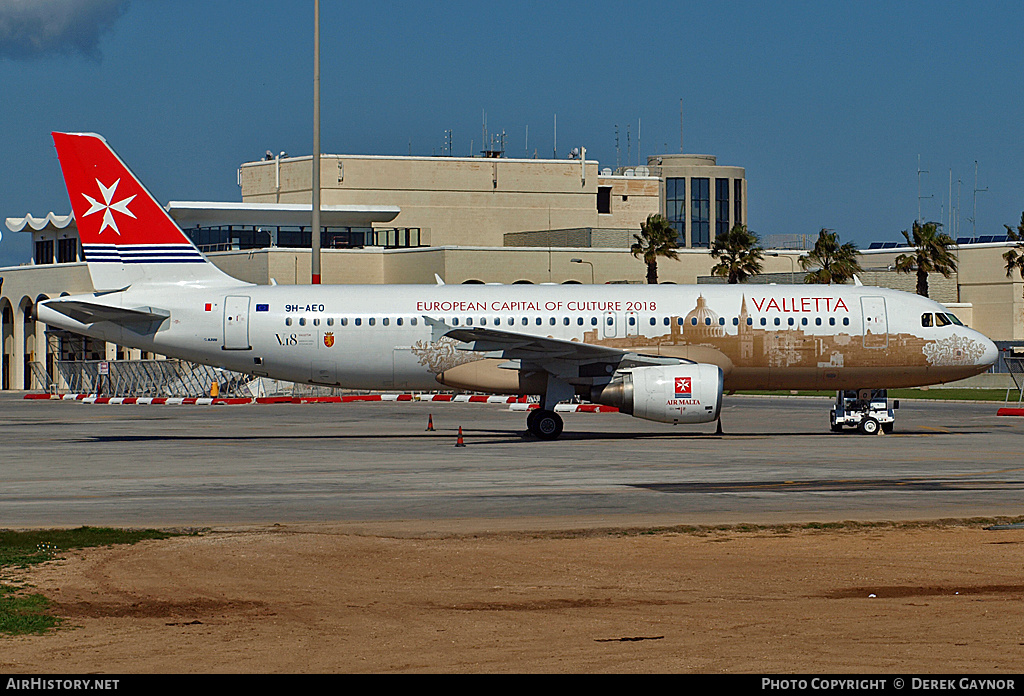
{"points": [[931, 254], [656, 238], [1015, 257], [739, 254], [833, 262]]}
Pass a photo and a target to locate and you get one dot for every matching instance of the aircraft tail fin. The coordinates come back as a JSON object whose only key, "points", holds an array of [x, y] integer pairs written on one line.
{"points": [[127, 237]]}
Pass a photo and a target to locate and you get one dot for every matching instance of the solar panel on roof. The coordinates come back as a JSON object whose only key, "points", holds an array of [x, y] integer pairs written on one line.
{"points": [[985, 239], [890, 245], [963, 240], [875, 245]]}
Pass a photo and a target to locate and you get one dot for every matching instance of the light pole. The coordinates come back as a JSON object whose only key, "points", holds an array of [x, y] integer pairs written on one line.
{"points": [[589, 264], [315, 184], [792, 265]]}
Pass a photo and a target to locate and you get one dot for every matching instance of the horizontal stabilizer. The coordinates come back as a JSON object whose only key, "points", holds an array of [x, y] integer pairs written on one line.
{"points": [[90, 313]]}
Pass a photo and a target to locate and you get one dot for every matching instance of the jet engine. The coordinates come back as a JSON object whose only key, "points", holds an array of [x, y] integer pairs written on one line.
{"points": [[689, 393]]}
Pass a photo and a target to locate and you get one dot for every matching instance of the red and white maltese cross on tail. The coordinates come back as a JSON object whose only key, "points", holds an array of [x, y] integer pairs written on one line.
{"points": [[107, 207]]}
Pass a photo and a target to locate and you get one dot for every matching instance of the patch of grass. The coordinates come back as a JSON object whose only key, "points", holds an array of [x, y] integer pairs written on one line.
{"points": [[24, 612], [936, 394], [950, 394]]}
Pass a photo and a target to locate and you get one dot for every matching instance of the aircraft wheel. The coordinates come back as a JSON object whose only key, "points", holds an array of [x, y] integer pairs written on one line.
{"points": [[546, 425], [531, 419], [869, 426]]}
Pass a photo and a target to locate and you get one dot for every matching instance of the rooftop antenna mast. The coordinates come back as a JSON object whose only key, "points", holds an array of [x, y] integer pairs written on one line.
{"points": [[681, 127], [554, 149], [956, 220], [629, 155], [976, 192], [919, 196], [617, 149]]}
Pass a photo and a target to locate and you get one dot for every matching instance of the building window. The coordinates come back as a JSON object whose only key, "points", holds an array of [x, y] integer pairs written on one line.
{"points": [[675, 207], [721, 207], [67, 250], [44, 251], [700, 212], [604, 200], [737, 201]]}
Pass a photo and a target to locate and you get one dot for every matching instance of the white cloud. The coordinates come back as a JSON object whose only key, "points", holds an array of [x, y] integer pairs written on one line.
{"points": [[40, 28]]}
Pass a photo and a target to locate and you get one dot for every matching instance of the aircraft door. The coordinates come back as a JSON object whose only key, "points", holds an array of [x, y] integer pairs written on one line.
{"points": [[632, 324], [610, 325], [236, 323], [875, 322], [324, 372]]}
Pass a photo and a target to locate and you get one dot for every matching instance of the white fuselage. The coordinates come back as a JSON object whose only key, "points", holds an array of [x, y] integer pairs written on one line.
{"points": [[376, 337]]}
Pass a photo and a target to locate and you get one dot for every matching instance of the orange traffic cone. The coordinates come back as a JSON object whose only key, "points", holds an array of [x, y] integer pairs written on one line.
{"points": [[430, 423], [459, 442]]}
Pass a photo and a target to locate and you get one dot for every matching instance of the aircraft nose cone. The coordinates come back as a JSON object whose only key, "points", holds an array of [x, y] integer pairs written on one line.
{"points": [[991, 353]]}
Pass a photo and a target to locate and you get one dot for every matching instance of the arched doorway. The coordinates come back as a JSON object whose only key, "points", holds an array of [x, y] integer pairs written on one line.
{"points": [[6, 343]]}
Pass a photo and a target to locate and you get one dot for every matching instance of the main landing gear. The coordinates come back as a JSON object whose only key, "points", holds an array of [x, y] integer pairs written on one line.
{"points": [[544, 424]]}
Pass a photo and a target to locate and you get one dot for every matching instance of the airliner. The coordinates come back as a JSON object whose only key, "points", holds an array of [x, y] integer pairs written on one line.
{"points": [[665, 353]]}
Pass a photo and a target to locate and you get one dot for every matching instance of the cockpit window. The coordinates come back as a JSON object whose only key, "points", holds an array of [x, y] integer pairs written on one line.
{"points": [[942, 319], [953, 318], [926, 319]]}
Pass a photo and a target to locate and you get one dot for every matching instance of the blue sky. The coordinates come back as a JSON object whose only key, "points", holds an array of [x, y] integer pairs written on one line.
{"points": [[827, 105]]}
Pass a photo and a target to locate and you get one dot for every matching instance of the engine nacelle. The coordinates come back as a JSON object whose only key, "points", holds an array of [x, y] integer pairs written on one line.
{"points": [[668, 394]]}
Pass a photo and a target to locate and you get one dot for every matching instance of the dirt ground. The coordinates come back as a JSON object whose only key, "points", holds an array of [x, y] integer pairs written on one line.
{"points": [[344, 598]]}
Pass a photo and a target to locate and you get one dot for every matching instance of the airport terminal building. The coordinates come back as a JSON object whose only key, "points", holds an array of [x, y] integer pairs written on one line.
{"points": [[394, 220]]}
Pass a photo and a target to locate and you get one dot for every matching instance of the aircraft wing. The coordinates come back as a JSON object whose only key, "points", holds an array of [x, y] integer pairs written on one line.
{"points": [[559, 357], [91, 312]]}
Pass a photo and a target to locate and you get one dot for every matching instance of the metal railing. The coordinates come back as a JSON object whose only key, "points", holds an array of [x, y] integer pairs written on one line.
{"points": [[1015, 366], [147, 378]]}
